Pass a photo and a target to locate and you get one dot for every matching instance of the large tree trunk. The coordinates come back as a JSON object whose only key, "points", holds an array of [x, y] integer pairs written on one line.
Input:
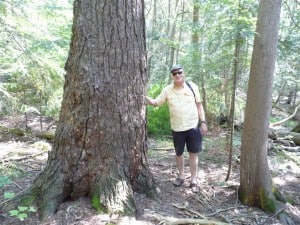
{"points": [[100, 143], [256, 183]]}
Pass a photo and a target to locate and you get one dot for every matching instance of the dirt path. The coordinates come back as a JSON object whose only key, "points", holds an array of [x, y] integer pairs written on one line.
{"points": [[23, 159]]}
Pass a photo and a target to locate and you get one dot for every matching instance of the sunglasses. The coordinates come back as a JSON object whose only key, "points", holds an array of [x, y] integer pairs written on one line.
{"points": [[175, 73]]}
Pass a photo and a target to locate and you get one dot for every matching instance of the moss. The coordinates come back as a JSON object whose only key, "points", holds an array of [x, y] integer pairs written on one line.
{"points": [[17, 131], [47, 136], [97, 205], [246, 199], [267, 201], [28, 199], [129, 208]]}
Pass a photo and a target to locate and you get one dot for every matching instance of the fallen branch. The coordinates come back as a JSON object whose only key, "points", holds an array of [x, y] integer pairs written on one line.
{"points": [[189, 210], [286, 135], [21, 158], [286, 119], [176, 221], [223, 210], [163, 149], [291, 149]]}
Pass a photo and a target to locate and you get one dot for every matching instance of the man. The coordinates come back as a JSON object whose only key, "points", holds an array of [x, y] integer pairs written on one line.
{"points": [[186, 111]]}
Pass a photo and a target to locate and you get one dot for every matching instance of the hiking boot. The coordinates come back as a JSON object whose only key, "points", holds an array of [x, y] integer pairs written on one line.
{"points": [[178, 182], [194, 187]]}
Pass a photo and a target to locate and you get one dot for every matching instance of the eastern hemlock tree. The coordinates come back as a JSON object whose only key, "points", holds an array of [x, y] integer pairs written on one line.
{"points": [[256, 187], [100, 142]]}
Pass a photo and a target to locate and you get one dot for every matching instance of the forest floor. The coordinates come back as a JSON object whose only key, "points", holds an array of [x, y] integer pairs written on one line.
{"points": [[23, 157]]}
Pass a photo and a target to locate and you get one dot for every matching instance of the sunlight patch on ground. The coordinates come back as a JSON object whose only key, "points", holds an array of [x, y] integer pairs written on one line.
{"points": [[13, 149]]}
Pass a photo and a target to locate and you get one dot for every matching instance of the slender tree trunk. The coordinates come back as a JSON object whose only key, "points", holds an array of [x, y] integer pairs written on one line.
{"points": [[256, 183], [233, 95], [100, 143], [172, 33], [196, 53]]}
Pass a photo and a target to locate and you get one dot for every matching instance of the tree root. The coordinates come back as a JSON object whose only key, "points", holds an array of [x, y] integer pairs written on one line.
{"points": [[280, 213]]}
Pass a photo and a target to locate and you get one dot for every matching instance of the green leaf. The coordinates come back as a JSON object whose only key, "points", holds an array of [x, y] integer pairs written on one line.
{"points": [[13, 212], [4, 180], [22, 216], [22, 208], [9, 195], [31, 209]]}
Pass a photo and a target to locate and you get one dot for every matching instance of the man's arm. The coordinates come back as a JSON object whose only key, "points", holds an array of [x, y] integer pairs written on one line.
{"points": [[201, 114], [151, 101]]}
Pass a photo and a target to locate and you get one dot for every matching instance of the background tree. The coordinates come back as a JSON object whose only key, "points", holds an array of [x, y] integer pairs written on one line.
{"points": [[35, 37], [233, 95], [256, 186], [287, 81], [33, 46], [100, 142]]}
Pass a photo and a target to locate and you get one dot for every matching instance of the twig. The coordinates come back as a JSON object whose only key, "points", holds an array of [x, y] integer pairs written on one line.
{"points": [[204, 200], [223, 210], [189, 210]]}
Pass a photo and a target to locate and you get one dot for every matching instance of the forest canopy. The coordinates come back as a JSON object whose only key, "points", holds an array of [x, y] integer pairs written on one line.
{"points": [[202, 36]]}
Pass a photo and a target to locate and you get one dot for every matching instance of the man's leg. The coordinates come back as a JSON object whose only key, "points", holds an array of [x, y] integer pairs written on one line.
{"points": [[179, 143], [193, 162], [194, 146], [180, 166]]}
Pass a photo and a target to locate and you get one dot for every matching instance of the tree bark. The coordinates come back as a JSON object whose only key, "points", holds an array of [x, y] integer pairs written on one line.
{"points": [[100, 143], [233, 94], [255, 179]]}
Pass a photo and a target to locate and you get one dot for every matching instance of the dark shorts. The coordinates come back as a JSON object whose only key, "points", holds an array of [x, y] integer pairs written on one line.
{"points": [[191, 138]]}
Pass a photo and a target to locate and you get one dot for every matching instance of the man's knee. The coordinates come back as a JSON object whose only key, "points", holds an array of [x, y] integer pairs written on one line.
{"points": [[193, 155]]}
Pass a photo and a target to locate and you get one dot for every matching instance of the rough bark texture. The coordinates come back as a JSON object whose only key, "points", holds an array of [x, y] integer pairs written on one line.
{"points": [[100, 142], [256, 182]]}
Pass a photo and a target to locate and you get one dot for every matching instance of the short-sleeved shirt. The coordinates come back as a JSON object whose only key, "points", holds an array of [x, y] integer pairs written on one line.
{"points": [[182, 106]]}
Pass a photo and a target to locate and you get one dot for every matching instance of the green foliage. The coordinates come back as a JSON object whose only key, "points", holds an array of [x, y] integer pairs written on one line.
{"points": [[21, 212], [10, 172], [34, 45], [97, 205], [267, 200], [4, 180], [35, 39], [9, 195], [158, 118]]}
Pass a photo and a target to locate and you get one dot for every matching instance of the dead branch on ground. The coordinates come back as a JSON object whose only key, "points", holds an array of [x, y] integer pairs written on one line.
{"points": [[286, 119], [21, 158], [176, 221], [184, 208]]}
